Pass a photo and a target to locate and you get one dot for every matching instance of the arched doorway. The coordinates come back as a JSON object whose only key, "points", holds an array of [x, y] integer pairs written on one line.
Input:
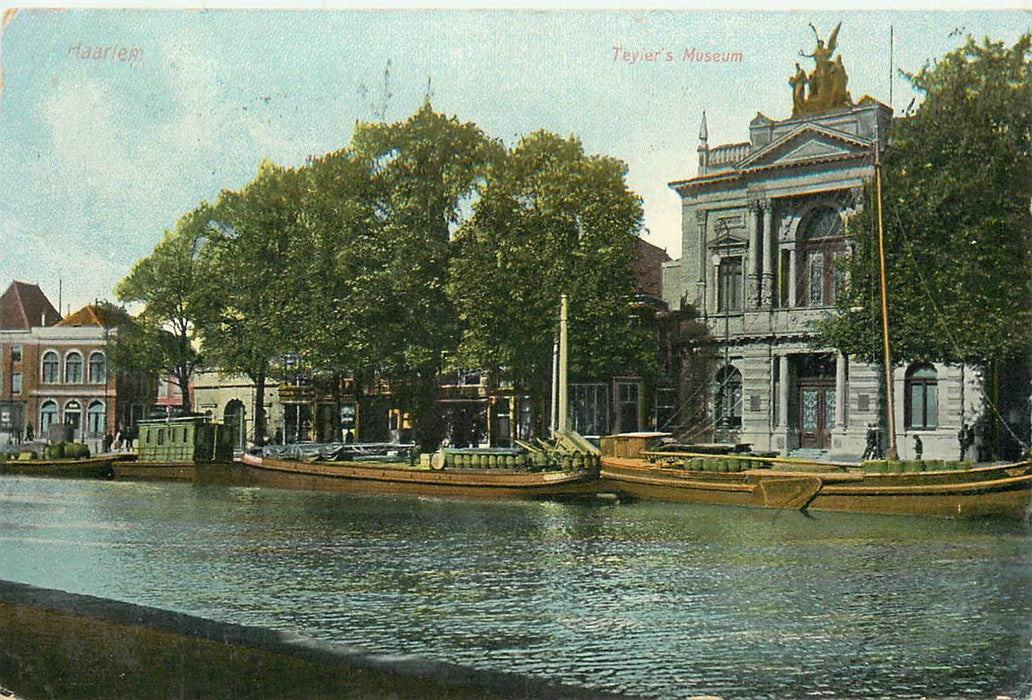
{"points": [[233, 418]]}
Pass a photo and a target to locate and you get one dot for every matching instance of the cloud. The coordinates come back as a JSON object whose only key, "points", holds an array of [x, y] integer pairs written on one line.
{"points": [[89, 151]]}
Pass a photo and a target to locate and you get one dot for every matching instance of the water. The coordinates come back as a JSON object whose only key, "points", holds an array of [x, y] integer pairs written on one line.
{"points": [[651, 599]]}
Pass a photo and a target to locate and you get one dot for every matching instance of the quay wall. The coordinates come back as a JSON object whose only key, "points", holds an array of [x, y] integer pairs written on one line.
{"points": [[55, 644]]}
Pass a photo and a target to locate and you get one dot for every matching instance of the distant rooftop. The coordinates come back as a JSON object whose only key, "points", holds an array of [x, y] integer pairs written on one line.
{"points": [[24, 306], [102, 315]]}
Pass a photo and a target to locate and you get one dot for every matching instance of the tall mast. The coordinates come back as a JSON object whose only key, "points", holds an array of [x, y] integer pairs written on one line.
{"points": [[563, 361], [890, 453]]}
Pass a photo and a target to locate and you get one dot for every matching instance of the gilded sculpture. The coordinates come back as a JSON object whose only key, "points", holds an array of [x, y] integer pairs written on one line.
{"points": [[825, 87]]}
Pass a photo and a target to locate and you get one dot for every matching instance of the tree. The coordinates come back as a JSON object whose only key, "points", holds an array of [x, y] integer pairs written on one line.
{"points": [[422, 170], [244, 324], [956, 190], [161, 338], [550, 220]]}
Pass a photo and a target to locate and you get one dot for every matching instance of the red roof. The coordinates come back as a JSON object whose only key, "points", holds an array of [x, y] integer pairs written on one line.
{"points": [[24, 306], [95, 315]]}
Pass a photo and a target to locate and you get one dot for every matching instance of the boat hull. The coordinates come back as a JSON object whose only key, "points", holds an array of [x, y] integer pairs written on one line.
{"points": [[228, 473], [357, 477], [999, 491], [91, 468]]}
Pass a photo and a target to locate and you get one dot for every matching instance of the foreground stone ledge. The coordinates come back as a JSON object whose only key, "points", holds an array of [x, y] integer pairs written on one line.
{"points": [[61, 645]]}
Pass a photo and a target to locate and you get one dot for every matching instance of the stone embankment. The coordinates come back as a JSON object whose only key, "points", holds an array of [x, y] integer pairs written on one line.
{"points": [[59, 645]]}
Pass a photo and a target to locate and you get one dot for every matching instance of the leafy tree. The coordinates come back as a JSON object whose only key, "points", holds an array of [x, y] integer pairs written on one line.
{"points": [[161, 338], [956, 189], [423, 170], [550, 220], [243, 324]]}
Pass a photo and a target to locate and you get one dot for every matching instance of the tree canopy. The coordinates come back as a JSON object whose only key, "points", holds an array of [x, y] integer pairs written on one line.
{"points": [[361, 264], [161, 338], [550, 220], [956, 193]]}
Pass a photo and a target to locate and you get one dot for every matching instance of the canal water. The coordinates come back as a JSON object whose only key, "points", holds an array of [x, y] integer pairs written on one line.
{"points": [[651, 599]]}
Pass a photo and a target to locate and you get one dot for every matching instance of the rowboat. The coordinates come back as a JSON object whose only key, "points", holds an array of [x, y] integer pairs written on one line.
{"points": [[933, 489], [95, 467], [396, 478]]}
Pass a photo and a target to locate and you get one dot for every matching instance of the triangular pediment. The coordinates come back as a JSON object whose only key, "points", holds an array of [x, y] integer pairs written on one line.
{"points": [[728, 240], [808, 143]]}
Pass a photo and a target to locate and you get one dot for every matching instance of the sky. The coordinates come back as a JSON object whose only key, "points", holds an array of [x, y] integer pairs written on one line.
{"points": [[102, 151]]}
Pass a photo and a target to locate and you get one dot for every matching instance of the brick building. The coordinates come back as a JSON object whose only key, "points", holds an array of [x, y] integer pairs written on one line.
{"points": [[56, 381]]}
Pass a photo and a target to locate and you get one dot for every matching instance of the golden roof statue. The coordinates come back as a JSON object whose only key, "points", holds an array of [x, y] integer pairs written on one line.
{"points": [[827, 82]]}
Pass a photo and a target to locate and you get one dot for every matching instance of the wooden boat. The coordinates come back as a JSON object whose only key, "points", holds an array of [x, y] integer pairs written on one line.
{"points": [[91, 467], [396, 478], [1003, 491]]}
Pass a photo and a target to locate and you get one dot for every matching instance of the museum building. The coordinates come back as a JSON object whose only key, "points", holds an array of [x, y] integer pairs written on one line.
{"points": [[765, 226]]}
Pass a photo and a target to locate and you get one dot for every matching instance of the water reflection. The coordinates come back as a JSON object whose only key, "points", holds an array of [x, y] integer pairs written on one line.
{"points": [[647, 598]]}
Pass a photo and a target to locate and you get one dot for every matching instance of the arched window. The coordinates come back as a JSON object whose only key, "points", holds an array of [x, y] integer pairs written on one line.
{"points": [[727, 400], [96, 417], [822, 236], [73, 368], [51, 369], [98, 368], [47, 416], [73, 414], [921, 407]]}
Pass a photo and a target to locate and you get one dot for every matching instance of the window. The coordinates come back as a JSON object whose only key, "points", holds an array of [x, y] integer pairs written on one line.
{"points": [[16, 383], [73, 414], [727, 400], [823, 242], [47, 416], [921, 405], [98, 368], [729, 284], [16, 353], [95, 417], [73, 368], [589, 408], [51, 368]]}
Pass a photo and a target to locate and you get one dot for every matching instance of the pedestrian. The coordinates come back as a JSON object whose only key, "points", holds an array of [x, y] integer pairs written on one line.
{"points": [[108, 440], [130, 435], [918, 447]]}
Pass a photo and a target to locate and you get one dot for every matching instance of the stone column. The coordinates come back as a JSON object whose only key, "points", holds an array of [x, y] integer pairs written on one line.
{"points": [[782, 393], [769, 252], [702, 275], [840, 391], [752, 272]]}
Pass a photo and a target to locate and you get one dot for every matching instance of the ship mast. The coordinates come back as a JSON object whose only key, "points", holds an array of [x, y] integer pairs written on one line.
{"points": [[891, 452]]}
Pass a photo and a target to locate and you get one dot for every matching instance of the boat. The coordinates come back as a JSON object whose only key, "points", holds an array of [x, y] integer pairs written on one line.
{"points": [[90, 467], [187, 448], [488, 474], [932, 488]]}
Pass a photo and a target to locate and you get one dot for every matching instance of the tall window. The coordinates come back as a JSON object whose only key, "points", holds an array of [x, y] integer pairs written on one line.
{"points": [[922, 401], [823, 240], [98, 368], [47, 416], [589, 408], [73, 368], [16, 383], [16, 353], [95, 417], [729, 284], [51, 368], [727, 400]]}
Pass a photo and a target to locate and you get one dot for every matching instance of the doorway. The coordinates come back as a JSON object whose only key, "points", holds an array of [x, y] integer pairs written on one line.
{"points": [[816, 400]]}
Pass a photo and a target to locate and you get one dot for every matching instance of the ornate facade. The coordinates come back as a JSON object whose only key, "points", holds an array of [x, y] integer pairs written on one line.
{"points": [[765, 226]]}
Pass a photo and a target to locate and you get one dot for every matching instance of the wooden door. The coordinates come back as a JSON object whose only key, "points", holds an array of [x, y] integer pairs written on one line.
{"points": [[816, 413]]}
